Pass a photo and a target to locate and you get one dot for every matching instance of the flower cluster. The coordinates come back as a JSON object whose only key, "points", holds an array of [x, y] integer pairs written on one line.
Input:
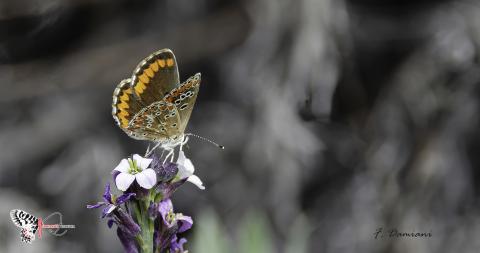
{"points": [[143, 213]]}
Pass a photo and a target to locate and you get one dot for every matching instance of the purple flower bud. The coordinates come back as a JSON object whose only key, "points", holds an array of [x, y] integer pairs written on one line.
{"points": [[165, 171], [165, 237], [152, 210], [139, 191], [128, 242], [110, 223], [167, 189], [126, 223]]}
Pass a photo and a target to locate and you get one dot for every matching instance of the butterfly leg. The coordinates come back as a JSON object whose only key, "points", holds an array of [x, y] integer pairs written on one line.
{"points": [[169, 155], [149, 152], [185, 140]]}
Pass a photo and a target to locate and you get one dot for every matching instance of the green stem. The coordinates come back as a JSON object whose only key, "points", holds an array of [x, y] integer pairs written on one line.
{"points": [[145, 238]]}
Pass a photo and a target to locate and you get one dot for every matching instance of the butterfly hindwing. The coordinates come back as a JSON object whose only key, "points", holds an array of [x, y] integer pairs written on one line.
{"points": [[155, 76], [184, 98], [156, 122], [27, 222], [125, 105]]}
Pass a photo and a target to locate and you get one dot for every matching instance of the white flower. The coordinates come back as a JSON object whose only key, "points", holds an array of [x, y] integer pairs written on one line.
{"points": [[186, 169], [135, 169]]}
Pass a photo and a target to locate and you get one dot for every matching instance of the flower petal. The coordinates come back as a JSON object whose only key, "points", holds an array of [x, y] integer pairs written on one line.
{"points": [[164, 207], [184, 223], [177, 245], [123, 166], [142, 162], [181, 157], [185, 162], [107, 210], [110, 223], [196, 181], [124, 180], [124, 197], [147, 178], [106, 195], [99, 204]]}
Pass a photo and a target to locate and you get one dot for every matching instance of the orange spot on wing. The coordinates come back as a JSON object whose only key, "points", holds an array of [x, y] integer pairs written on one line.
{"points": [[169, 62], [154, 66], [144, 78], [161, 63], [122, 106], [124, 97], [139, 88], [122, 114], [149, 72]]}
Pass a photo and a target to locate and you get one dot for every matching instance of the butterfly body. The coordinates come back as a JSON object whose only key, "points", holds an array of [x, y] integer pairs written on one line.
{"points": [[153, 105]]}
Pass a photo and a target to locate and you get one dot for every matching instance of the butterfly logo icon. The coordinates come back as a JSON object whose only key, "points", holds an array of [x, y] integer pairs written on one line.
{"points": [[30, 224], [152, 104]]}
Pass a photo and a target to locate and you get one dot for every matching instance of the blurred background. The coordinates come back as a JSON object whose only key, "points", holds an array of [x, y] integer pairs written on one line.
{"points": [[338, 117]]}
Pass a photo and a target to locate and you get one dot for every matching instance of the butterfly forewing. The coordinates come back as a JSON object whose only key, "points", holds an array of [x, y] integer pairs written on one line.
{"points": [[184, 98], [155, 76], [125, 105]]}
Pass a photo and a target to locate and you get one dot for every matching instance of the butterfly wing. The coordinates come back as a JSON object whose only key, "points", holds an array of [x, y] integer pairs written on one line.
{"points": [[27, 222], [27, 234], [156, 122], [155, 76], [184, 98], [125, 105]]}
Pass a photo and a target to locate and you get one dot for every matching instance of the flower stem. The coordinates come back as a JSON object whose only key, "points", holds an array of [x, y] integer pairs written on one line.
{"points": [[145, 238]]}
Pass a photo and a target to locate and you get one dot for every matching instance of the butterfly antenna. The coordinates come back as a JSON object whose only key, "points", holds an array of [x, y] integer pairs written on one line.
{"points": [[205, 139]]}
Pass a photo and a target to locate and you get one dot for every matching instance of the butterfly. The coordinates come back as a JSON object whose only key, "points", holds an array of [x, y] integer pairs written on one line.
{"points": [[152, 104], [27, 222]]}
